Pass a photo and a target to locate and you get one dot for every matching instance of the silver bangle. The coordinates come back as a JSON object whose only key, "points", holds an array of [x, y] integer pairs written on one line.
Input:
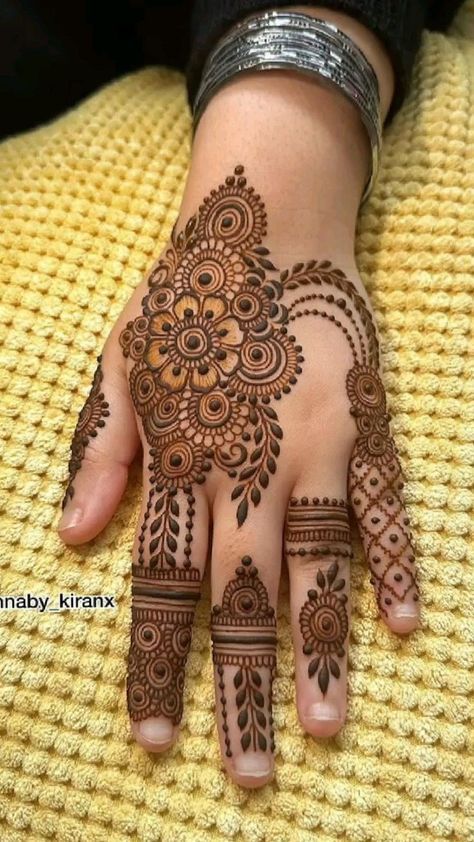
{"points": [[293, 40]]}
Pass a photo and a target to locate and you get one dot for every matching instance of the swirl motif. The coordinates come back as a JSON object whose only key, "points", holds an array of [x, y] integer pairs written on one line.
{"points": [[147, 636], [365, 389], [324, 625], [210, 267]]}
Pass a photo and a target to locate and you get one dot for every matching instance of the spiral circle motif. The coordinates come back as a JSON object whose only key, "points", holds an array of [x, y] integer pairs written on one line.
{"points": [[324, 623], [365, 389], [208, 276], [144, 389], [364, 423], [177, 459], [376, 444], [247, 307], [159, 300], [181, 641], [191, 343], [147, 636], [138, 697], [213, 409], [158, 672], [235, 214], [171, 704], [244, 597], [262, 360]]}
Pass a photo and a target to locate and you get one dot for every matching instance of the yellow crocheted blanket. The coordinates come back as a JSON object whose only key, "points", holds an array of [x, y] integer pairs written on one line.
{"points": [[87, 202]]}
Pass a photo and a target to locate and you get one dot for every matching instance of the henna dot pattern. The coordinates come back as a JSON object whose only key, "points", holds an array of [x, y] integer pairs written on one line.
{"points": [[375, 476], [243, 630], [91, 418]]}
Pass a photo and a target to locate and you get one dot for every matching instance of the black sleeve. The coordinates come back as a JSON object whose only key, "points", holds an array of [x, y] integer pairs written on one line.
{"points": [[398, 23]]}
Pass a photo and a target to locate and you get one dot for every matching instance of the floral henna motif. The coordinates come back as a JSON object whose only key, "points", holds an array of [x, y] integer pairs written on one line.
{"points": [[243, 632], [324, 625], [211, 354], [91, 419], [319, 528], [209, 351]]}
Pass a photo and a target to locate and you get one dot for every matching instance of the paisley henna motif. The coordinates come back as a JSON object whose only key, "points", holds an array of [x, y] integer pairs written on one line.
{"points": [[91, 419], [243, 630]]}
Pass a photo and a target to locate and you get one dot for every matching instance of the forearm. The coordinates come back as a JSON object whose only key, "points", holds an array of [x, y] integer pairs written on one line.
{"points": [[302, 142]]}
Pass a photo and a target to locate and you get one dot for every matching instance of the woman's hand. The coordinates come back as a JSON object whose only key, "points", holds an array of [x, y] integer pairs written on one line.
{"points": [[248, 367], [256, 394]]}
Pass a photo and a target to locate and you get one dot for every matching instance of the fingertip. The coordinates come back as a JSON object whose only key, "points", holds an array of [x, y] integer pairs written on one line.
{"points": [[155, 734], [252, 770], [403, 618], [322, 719]]}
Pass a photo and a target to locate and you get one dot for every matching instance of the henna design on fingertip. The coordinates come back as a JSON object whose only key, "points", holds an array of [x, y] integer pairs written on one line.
{"points": [[319, 529], [91, 419], [243, 632], [163, 606]]}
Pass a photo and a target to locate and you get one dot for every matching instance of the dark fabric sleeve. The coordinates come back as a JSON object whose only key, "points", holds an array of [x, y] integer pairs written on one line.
{"points": [[398, 23]]}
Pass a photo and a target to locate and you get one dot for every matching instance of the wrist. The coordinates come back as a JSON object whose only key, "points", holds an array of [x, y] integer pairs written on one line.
{"points": [[303, 143]]}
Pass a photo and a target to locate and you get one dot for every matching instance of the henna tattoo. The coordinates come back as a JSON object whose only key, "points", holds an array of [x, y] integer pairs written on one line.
{"points": [[163, 605], [243, 630], [91, 419], [375, 476], [210, 356], [209, 352], [319, 528], [324, 625]]}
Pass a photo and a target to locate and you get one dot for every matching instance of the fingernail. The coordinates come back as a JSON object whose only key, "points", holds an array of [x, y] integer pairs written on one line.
{"points": [[323, 711], [409, 611], [156, 730], [254, 765], [70, 518]]}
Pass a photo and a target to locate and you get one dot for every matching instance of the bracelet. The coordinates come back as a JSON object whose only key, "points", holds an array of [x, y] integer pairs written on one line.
{"points": [[293, 40]]}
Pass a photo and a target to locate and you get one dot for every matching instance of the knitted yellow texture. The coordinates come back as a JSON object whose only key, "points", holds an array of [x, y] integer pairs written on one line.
{"points": [[87, 202]]}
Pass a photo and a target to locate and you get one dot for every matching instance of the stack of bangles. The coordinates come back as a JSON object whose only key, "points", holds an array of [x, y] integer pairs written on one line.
{"points": [[296, 41]]}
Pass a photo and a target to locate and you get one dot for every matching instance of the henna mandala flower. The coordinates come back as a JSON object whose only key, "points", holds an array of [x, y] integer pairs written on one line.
{"points": [[234, 213], [365, 389], [212, 419], [178, 463], [269, 364], [323, 622], [324, 625], [209, 267], [196, 342]]}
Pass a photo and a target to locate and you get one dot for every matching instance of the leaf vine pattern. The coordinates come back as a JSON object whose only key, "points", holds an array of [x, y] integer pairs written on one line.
{"points": [[210, 356], [243, 631], [91, 418]]}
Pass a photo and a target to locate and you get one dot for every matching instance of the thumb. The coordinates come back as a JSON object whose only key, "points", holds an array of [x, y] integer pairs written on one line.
{"points": [[104, 444]]}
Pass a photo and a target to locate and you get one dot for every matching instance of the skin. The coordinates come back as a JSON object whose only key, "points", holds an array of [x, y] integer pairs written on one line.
{"points": [[306, 153]]}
